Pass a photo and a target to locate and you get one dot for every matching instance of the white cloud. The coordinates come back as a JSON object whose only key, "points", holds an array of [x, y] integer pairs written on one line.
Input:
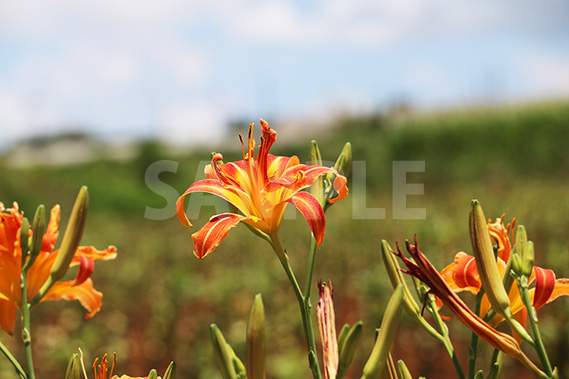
{"points": [[108, 63], [545, 74], [196, 122]]}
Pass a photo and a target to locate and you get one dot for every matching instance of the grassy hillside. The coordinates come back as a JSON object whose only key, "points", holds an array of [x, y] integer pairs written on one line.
{"points": [[160, 299]]}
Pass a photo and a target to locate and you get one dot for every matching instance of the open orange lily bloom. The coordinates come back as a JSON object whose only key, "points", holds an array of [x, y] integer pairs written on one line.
{"points": [[259, 187], [422, 269], [462, 275], [81, 288], [102, 370]]}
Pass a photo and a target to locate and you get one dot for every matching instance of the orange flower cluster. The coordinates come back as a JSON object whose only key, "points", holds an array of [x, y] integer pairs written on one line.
{"points": [[81, 288]]}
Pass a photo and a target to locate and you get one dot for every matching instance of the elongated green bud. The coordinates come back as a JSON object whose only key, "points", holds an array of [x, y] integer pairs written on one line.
{"points": [[314, 155], [256, 340], [527, 260], [24, 237], [488, 269], [38, 227], [343, 334], [344, 162], [479, 375], [347, 348], [72, 236], [153, 374], [389, 324], [404, 372], [223, 353], [73, 368], [515, 262], [170, 371], [486, 261], [238, 366], [317, 188]]}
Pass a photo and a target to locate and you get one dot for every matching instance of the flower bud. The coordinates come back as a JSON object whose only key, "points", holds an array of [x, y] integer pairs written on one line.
{"points": [[488, 269], [38, 228], [327, 326], [170, 371], [486, 260], [347, 347], [24, 237], [344, 162], [403, 370], [527, 260], [343, 334], [256, 340], [315, 158], [73, 368], [389, 324], [72, 236], [223, 353], [516, 265], [153, 374]]}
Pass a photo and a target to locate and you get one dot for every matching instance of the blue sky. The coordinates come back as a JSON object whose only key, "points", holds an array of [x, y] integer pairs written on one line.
{"points": [[181, 70]]}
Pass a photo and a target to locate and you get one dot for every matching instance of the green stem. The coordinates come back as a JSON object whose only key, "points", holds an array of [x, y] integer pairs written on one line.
{"points": [[473, 353], [26, 334], [19, 369], [311, 259], [303, 302], [539, 347], [446, 338]]}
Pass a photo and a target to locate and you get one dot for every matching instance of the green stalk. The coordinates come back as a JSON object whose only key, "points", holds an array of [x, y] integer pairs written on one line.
{"points": [[474, 340], [303, 303], [26, 334], [539, 347], [19, 370], [445, 337]]}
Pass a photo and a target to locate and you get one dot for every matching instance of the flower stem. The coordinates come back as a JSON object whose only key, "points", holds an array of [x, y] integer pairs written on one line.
{"points": [[445, 337], [303, 302], [26, 334], [19, 370], [539, 347], [473, 348]]}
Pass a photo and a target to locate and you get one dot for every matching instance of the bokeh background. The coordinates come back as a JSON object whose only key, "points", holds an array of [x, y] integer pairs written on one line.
{"points": [[95, 93]]}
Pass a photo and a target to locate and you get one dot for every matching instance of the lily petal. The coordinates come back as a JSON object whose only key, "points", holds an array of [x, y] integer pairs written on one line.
{"points": [[7, 315], [86, 269], [312, 212], [52, 231], [230, 194], [212, 233], [88, 296], [94, 254], [341, 187], [544, 285]]}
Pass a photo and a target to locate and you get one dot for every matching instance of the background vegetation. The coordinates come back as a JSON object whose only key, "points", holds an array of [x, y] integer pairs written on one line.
{"points": [[159, 299]]}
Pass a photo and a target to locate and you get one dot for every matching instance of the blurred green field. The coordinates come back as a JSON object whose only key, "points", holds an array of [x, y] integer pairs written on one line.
{"points": [[159, 300]]}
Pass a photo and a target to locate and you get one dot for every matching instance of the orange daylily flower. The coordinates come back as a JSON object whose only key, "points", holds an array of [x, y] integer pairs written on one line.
{"points": [[423, 270], [260, 187], [81, 288], [102, 370], [462, 275]]}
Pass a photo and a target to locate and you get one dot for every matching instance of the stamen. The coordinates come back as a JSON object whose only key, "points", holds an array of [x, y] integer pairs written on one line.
{"points": [[242, 145], [113, 366]]}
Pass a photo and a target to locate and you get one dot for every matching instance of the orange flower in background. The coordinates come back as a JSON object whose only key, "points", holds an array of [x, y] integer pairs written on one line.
{"points": [[462, 275], [81, 288], [102, 370], [423, 270], [259, 187]]}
